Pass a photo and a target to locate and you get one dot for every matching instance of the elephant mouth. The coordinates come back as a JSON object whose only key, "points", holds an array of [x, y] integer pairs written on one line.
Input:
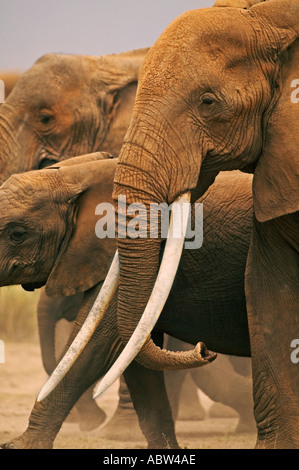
{"points": [[31, 286]]}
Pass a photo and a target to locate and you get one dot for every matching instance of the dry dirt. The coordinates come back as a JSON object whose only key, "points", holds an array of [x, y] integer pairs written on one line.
{"points": [[22, 375]]}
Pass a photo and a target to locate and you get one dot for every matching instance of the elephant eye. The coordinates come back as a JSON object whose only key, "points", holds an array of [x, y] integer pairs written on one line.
{"points": [[208, 99], [45, 162], [208, 105], [45, 119], [17, 235]]}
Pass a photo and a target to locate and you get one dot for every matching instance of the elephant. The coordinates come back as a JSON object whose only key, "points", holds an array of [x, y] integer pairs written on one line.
{"points": [[65, 106], [59, 203], [70, 93], [182, 387], [99, 81], [236, 3], [216, 99], [62, 106]]}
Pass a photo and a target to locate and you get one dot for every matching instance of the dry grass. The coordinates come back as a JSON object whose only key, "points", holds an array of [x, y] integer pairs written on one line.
{"points": [[18, 319]]}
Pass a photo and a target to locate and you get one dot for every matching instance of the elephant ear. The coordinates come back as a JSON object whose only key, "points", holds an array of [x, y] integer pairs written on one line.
{"points": [[120, 73], [276, 178], [84, 258]]}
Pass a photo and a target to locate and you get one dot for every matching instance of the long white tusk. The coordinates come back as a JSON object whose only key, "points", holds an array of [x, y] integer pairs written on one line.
{"points": [[94, 317], [168, 268]]}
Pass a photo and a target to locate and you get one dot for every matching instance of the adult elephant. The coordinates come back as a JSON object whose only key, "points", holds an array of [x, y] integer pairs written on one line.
{"points": [[76, 261], [234, 389], [64, 106], [73, 93], [67, 105], [219, 98]]}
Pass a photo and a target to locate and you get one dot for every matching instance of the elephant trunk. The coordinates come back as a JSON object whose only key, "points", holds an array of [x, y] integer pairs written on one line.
{"points": [[138, 255], [10, 162], [144, 281]]}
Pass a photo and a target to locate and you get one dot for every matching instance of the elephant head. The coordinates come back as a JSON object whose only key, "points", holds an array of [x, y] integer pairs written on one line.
{"points": [[210, 93], [44, 238], [207, 90], [67, 105]]}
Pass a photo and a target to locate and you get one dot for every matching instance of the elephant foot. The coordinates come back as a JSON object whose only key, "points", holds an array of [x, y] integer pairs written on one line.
{"points": [[123, 425], [28, 441]]}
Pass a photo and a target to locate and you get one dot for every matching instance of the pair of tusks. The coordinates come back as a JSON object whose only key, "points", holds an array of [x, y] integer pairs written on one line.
{"points": [[165, 278]]}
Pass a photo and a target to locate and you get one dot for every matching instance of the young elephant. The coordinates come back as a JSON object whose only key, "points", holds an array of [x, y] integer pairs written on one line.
{"points": [[58, 205]]}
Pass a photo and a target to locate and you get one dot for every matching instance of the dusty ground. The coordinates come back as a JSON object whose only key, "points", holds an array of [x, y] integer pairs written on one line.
{"points": [[22, 375]]}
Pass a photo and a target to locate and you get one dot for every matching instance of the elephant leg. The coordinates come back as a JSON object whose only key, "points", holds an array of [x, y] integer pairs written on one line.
{"points": [[55, 323], [124, 423], [143, 409], [219, 382], [148, 392], [181, 390], [226, 387], [241, 365], [90, 415], [223, 385], [86, 412], [47, 416], [273, 313]]}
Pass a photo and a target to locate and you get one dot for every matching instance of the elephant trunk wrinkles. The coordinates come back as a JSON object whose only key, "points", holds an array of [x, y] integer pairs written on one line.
{"points": [[10, 162], [136, 285]]}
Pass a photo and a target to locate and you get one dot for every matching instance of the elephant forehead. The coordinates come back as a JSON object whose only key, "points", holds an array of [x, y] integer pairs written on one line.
{"points": [[45, 83], [196, 42], [27, 190]]}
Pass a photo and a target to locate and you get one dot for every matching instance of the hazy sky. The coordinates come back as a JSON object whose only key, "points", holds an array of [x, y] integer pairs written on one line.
{"points": [[31, 28]]}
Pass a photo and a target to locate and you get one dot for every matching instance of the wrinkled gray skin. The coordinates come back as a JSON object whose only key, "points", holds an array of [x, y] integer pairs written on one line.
{"points": [[217, 300]]}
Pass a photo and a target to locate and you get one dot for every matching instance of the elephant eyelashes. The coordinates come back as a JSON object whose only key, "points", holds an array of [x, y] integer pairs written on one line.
{"points": [[45, 120], [17, 236], [46, 162], [208, 105], [208, 100]]}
